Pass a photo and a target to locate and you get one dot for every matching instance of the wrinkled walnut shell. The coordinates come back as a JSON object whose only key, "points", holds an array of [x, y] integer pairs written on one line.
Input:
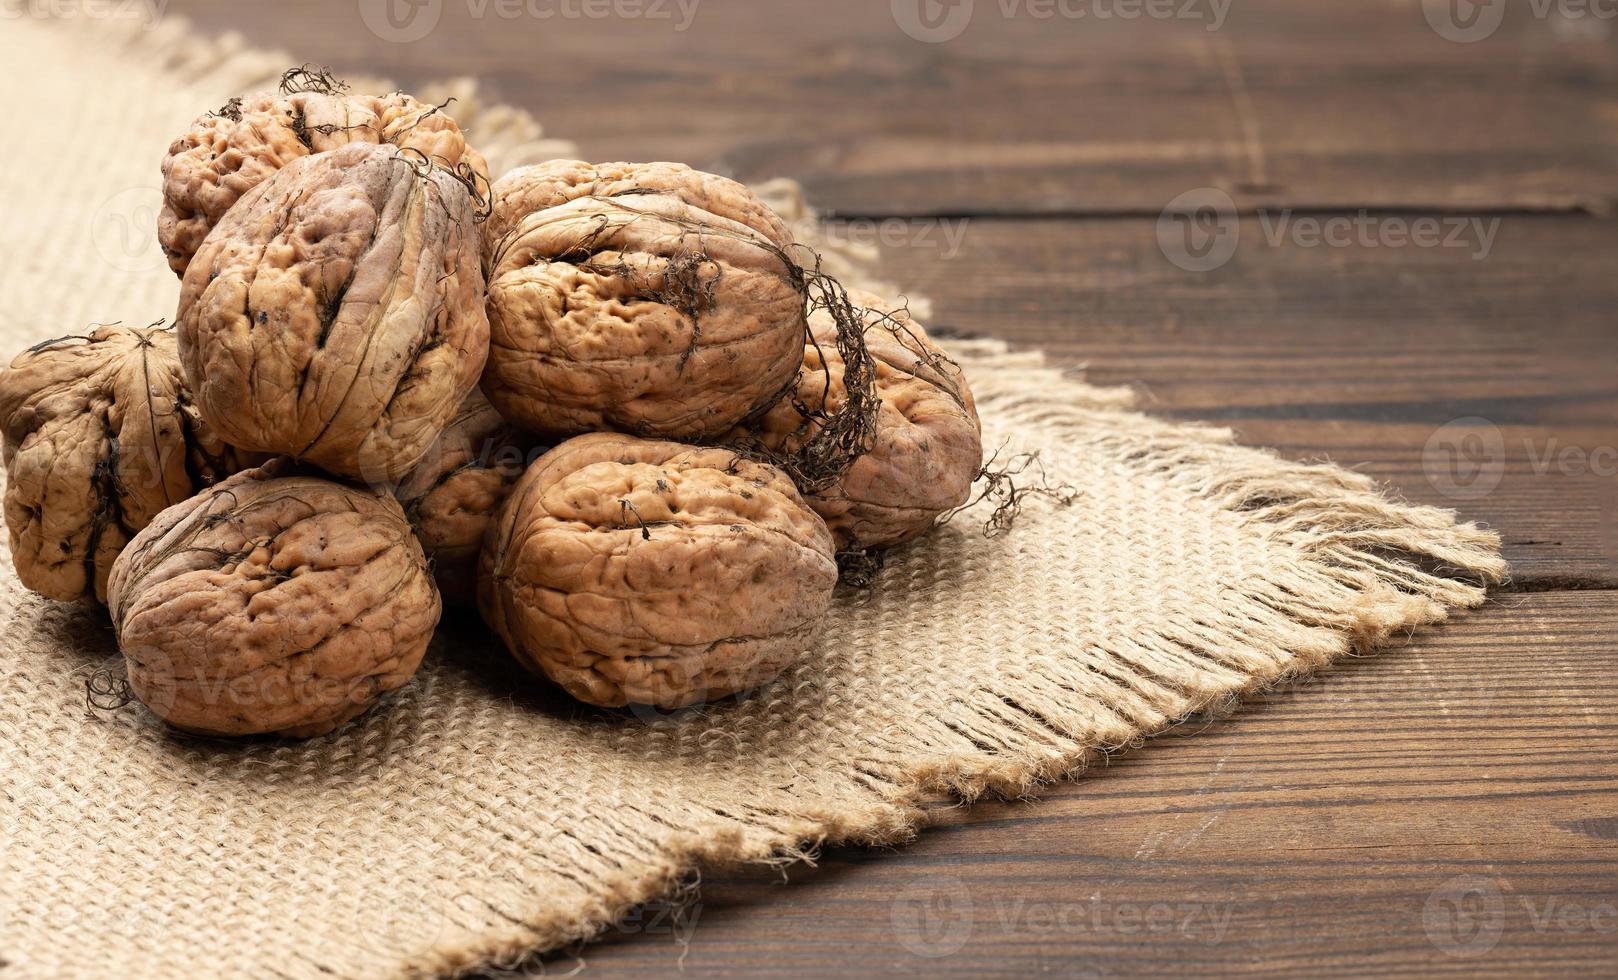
{"points": [[273, 603], [648, 298], [225, 154], [928, 447], [336, 314], [453, 493], [638, 572], [100, 435]]}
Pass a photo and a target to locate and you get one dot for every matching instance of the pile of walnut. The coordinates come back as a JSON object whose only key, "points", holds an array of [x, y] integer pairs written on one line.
{"points": [[348, 420]]}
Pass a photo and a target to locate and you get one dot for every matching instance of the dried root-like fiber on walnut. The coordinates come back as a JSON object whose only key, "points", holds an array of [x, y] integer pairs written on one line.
{"points": [[229, 151], [633, 571], [336, 314], [276, 602], [926, 448], [100, 435]]}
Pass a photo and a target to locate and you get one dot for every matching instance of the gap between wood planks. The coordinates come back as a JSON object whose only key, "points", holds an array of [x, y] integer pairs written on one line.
{"points": [[1590, 209], [1531, 581]]}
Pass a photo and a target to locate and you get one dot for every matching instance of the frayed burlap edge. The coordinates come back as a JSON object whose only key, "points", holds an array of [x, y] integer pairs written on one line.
{"points": [[1370, 567], [1373, 569]]}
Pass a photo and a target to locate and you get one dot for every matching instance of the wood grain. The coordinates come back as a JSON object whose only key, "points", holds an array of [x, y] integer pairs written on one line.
{"points": [[1342, 105], [1332, 827], [1308, 833], [1360, 354]]}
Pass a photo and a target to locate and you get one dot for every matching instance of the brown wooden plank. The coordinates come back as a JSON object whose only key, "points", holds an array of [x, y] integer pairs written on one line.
{"points": [[1362, 354], [1323, 819], [1327, 826], [1322, 104], [1360, 331]]}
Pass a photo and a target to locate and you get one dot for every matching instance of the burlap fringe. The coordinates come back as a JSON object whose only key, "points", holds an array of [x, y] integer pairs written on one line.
{"points": [[1368, 568]]}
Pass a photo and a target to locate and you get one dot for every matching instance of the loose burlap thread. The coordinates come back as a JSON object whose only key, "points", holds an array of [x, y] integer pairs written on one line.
{"points": [[478, 816]]}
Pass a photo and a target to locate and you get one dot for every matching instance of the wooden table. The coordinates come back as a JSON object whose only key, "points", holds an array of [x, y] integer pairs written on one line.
{"points": [[1451, 806]]}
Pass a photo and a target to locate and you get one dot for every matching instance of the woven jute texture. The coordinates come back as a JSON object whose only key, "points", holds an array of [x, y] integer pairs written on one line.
{"points": [[478, 816]]}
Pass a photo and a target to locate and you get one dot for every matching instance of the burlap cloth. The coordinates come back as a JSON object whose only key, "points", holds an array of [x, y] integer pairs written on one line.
{"points": [[478, 817]]}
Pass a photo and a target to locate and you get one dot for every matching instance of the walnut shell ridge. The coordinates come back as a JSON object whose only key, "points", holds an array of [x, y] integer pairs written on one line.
{"points": [[100, 435], [645, 298], [928, 447], [336, 314], [272, 603], [225, 154], [632, 571], [452, 494]]}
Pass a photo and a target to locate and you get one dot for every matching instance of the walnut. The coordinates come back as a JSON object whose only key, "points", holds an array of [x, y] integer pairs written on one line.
{"points": [[227, 153], [273, 603], [100, 436], [453, 493], [336, 314], [638, 572], [928, 446], [648, 298]]}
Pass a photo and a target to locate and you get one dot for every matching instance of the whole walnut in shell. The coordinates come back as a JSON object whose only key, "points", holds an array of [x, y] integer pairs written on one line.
{"points": [[647, 298], [453, 493], [227, 153], [336, 314], [273, 603], [638, 572], [927, 449], [100, 436]]}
